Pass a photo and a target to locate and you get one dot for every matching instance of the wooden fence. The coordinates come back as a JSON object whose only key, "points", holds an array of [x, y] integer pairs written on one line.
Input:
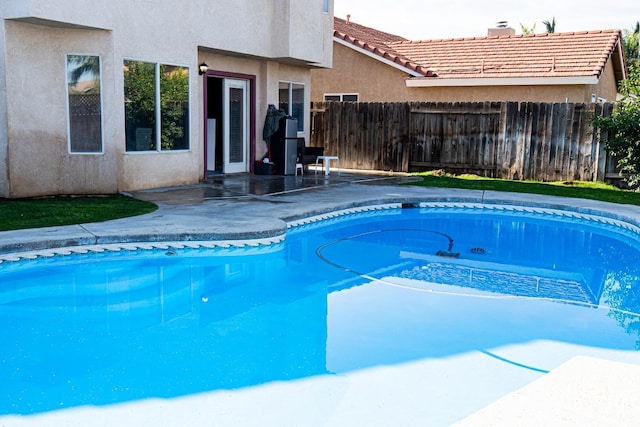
{"points": [[512, 140]]}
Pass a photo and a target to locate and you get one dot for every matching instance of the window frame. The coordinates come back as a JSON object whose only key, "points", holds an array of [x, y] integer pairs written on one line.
{"points": [[290, 103], [341, 96], [158, 108], [70, 149]]}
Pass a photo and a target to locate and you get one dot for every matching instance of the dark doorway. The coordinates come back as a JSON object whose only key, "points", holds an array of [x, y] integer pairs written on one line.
{"points": [[214, 161]]}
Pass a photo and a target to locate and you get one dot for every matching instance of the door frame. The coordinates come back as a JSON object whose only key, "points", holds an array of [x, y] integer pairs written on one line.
{"points": [[227, 85], [251, 80]]}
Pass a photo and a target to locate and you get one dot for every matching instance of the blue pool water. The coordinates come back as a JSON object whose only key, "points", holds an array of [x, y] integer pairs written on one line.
{"points": [[350, 293]]}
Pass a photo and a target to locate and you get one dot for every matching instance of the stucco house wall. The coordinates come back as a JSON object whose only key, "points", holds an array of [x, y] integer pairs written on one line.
{"points": [[607, 87], [37, 120], [4, 163], [375, 81], [353, 72], [280, 40]]}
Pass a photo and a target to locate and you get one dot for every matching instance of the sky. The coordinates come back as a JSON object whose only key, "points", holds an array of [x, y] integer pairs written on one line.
{"points": [[421, 19]]}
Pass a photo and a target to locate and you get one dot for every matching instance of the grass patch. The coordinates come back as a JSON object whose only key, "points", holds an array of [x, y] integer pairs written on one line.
{"points": [[578, 189], [19, 214]]}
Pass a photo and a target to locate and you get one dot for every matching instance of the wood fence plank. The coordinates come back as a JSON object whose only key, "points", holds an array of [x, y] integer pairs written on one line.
{"points": [[598, 153], [573, 171], [527, 117], [557, 138], [531, 168], [541, 140], [584, 147], [563, 154]]}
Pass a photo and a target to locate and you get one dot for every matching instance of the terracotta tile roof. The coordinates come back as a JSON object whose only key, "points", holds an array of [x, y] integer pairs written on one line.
{"points": [[572, 54], [374, 41], [366, 34], [538, 55]]}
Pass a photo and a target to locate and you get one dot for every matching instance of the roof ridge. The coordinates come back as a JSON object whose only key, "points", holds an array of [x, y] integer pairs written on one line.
{"points": [[506, 36]]}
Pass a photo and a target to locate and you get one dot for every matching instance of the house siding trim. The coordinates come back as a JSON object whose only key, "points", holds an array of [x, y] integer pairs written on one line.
{"points": [[497, 81]]}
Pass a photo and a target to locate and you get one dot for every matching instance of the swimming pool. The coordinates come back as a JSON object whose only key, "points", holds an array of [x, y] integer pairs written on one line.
{"points": [[449, 305]]}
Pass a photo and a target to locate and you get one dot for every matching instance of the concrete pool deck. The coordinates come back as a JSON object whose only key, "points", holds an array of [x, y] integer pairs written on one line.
{"points": [[582, 391], [237, 207]]}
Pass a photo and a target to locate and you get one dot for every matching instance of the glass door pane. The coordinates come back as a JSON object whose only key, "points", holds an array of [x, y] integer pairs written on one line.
{"points": [[235, 130]]}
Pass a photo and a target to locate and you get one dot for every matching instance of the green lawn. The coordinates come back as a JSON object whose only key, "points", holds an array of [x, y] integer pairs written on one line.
{"points": [[578, 189], [18, 214]]}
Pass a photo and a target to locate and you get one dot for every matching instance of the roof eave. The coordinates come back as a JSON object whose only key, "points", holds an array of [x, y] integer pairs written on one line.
{"points": [[500, 81], [619, 61], [377, 57]]}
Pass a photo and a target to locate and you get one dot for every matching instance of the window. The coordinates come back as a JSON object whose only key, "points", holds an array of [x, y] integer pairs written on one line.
{"points": [[346, 97], [84, 104], [325, 6], [156, 104], [292, 101]]}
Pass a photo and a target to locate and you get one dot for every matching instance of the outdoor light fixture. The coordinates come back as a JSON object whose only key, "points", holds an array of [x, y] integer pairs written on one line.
{"points": [[202, 68]]}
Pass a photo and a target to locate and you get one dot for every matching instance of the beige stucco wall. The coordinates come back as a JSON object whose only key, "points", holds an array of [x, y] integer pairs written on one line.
{"points": [[38, 154], [4, 165], [374, 81], [353, 72], [295, 29], [274, 41], [607, 87]]}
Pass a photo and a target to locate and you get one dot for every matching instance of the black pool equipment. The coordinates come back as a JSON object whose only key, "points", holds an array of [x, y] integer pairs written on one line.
{"points": [[446, 254], [283, 146], [449, 252]]}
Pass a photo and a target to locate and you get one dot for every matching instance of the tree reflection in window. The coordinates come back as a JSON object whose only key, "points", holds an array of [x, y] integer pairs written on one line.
{"points": [[291, 100], [174, 105], [144, 84], [85, 105]]}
